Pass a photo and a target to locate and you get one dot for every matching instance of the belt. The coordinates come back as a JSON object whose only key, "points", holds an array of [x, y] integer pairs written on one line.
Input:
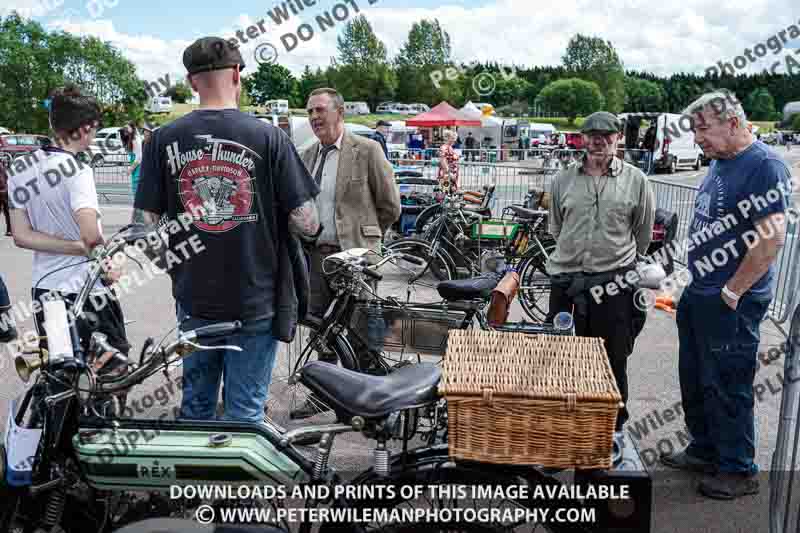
{"points": [[578, 285], [327, 249]]}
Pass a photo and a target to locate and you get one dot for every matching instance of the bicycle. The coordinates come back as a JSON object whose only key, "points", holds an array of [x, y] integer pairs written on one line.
{"points": [[454, 247], [67, 483], [382, 334]]}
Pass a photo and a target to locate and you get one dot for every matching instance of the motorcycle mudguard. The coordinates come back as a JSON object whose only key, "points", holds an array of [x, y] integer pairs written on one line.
{"points": [[21, 444]]}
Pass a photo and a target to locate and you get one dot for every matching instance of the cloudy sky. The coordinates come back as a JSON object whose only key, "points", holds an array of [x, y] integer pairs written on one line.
{"points": [[660, 37]]}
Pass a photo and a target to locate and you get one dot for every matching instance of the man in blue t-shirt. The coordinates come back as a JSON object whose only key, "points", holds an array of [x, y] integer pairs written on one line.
{"points": [[736, 233]]}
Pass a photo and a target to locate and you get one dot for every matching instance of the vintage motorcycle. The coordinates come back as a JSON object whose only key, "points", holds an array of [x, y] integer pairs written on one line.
{"points": [[70, 463]]}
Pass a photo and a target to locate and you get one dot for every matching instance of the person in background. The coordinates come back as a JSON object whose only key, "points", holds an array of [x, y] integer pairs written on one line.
{"points": [[448, 163], [602, 212], [61, 223], [132, 142], [8, 331], [720, 312], [4, 207], [649, 144], [469, 144], [383, 130], [358, 202]]}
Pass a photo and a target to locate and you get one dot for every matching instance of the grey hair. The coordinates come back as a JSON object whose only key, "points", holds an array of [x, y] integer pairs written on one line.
{"points": [[449, 134], [338, 101], [723, 103]]}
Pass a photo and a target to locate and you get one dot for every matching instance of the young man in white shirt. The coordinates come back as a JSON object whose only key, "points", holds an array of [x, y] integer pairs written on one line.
{"points": [[55, 213]]}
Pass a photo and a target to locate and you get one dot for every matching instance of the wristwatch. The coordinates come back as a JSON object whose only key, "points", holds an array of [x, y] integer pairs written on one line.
{"points": [[730, 294]]}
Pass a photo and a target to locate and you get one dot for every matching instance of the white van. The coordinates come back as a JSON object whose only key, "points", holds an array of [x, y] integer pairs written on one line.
{"points": [[277, 106], [356, 108], [159, 104], [674, 145]]}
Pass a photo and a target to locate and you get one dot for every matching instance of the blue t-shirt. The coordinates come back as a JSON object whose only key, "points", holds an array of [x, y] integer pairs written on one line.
{"points": [[735, 195]]}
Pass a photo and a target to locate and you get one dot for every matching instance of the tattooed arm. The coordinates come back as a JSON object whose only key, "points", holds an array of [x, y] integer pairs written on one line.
{"points": [[156, 246], [304, 221]]}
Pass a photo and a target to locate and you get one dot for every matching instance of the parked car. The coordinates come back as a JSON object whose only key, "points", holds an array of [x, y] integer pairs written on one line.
{"points": [[277, 106], [5, 131], [385, 107], [419, 108], [674, 145], [402, 109], [15, 145], [573, 140], [356, 108], [159, 104], [107, 149]]}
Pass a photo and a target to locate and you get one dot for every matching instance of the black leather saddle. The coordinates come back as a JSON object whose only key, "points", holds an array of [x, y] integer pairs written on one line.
{"points": [[479, 287], [525, 213], [372, 396]]}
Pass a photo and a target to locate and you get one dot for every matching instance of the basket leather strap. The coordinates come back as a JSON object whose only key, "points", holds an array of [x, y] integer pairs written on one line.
{"points": [[488, 394], [572, 401]]}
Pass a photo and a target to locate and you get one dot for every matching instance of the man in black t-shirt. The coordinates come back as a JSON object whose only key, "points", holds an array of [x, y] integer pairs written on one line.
{"points": [[245, 188]]}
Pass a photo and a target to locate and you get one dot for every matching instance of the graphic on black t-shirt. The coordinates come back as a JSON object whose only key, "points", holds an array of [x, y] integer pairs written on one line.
{"points": [[215, 182]]}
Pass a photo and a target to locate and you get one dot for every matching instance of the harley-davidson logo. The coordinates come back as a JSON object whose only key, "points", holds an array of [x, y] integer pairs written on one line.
{"points": [[220, 190]]}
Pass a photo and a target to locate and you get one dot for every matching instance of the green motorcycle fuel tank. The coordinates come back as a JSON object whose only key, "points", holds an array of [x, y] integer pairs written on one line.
{"points": [[155, 459]]}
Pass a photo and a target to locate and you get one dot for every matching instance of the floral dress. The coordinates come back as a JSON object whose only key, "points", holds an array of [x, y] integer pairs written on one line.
{"points": [[446, 153]]}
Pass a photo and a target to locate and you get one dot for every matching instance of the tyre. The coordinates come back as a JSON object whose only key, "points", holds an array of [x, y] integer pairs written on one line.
{"points": [[534, 283], [439, 479], [698, 164], [425, 218], [436, 265], [98, 160], [286, 393], [673, 166]]}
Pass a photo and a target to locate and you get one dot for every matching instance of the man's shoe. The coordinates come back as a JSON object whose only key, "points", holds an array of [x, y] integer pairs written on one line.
{"points": [[684, 461], [729, 486], [312, 407]]}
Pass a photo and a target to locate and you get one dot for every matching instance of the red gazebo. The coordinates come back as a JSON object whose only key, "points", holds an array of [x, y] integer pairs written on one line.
{"points": [[443, 115]]}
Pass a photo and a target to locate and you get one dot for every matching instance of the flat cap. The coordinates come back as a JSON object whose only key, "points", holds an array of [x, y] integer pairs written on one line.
{"points": [[601, 121], [211, 53]]}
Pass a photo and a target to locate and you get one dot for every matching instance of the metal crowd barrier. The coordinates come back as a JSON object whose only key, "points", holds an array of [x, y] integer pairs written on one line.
{"points": [[113, 183], [680, 199], [784, 477]]}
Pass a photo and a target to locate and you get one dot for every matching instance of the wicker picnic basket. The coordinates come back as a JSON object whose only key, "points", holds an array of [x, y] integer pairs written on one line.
{"points": [[513, 398]]}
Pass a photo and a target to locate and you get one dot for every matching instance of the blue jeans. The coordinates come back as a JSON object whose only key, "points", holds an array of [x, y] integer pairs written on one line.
{"points": [[246, 374], [717, 366]]}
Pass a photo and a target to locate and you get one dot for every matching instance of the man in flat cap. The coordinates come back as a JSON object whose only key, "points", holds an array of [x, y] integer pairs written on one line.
{"points": [[601, 215], [242, 195]]}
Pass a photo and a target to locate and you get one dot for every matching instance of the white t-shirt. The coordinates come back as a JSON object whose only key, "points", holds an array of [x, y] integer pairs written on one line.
{"points": [[137, 148], [50, 190]]}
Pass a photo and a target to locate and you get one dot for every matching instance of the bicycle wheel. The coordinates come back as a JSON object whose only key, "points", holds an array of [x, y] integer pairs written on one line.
{"points": [[427, 217], [534, 283], [436, 264], [447, 489], [287, 395]]}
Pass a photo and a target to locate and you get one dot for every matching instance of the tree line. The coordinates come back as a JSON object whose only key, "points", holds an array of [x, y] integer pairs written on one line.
{"points": [[34, 61]]}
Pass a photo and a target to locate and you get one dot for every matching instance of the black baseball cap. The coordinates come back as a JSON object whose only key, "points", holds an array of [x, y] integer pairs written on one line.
{"points": [[211, 53], [383, 123]]}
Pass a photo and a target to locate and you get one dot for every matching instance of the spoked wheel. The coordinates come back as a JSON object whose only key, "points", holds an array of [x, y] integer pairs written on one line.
{"points": [[432, 264], [534, 284], [455, 496], [290, 404]]}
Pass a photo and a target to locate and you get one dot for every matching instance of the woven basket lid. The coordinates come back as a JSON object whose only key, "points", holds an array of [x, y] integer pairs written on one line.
{"points": [[511, 364]]}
